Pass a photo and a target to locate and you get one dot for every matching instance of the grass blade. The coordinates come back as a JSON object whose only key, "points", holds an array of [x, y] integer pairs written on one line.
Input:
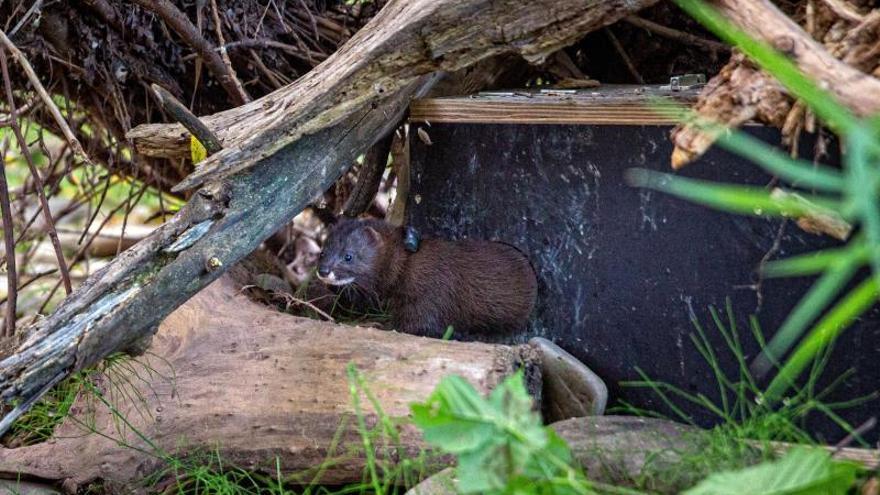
{"points": [[737, 199], [820, 101], [808, 308], [838, 319]]}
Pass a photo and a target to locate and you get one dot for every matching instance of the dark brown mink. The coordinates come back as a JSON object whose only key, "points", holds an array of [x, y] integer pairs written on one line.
{"points": [[474, 286]]}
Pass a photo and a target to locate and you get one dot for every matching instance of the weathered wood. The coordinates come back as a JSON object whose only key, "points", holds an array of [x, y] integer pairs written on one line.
{"points": [[227, 375], [642, 452], [407, 39], [124, 302], [610, 104], [741, 92]]}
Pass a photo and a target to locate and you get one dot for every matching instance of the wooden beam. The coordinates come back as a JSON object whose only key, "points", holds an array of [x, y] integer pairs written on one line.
{"points": [[609, 105], [407, 39]]}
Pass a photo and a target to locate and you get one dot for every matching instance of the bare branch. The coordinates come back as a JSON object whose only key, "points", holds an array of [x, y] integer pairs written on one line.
{"points": [[177, 20], [38, 181], [44, 95]]}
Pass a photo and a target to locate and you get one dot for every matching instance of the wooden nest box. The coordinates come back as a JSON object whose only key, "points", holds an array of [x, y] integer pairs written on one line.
{"points": [[623, 272]]}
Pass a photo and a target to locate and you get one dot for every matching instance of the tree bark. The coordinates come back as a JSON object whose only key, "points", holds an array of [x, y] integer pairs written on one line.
{"points": [[742, 92], [124, 302], [407, 39], [228, 376], [292, 144]]}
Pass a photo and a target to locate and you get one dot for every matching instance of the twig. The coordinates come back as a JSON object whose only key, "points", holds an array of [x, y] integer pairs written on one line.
{"points": [[855, 434], [844, 10], [218, 26], [27, 16], [47, 100], [623, 55], [38, 181], [32, 279], [192, 123], [675, 34], [177, 21], [11, 276]]}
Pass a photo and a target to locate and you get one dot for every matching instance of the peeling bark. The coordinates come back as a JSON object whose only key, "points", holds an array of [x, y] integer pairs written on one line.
{"points": [[741, 92], [123, 303], [227, 375], [407, 39]]}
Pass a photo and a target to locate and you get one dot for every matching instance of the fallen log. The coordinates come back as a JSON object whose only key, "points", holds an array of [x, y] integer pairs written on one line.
{"points": [[123, 303], [407, 39], [293, 144], [227, 376]]}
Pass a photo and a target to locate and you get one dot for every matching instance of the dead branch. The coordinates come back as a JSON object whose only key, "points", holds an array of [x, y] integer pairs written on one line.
{"points": [[44, 95], [740, 92], [8, 237], [218, 27], [405, 40], [295, 402], [35, 175], [186, 118], [675, 34], [177, 20]]}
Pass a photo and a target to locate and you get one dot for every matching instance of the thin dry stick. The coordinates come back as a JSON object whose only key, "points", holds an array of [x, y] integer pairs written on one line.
{"points": [[177, 21], [80, 254], [11, 276], [44, 95], [218, 26], [38, 181], [675, 34], [623, 55]]}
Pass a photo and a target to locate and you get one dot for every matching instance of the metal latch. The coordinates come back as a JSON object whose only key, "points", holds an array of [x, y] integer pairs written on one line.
{"points": [[685, 81]]}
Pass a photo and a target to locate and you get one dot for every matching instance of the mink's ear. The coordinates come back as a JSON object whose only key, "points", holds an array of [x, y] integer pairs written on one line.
{"points": [[373, 235]]}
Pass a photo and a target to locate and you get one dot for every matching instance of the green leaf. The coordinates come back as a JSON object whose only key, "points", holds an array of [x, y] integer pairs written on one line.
{"points": [[501, 445], [815, 262], [802, 471]]}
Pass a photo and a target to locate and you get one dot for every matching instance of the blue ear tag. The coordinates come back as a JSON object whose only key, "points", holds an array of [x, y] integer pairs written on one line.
{"points": [[411, 239]]}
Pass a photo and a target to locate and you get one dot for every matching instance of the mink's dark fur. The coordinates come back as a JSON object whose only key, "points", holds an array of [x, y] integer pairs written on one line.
{"points": [[474, 286]]}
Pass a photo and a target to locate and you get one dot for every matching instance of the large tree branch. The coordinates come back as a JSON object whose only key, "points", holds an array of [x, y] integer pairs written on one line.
{"points": [[407, 39], [123, 303]]}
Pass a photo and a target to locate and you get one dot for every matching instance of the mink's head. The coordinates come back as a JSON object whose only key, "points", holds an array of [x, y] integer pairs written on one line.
{"points": [[353, 254]]}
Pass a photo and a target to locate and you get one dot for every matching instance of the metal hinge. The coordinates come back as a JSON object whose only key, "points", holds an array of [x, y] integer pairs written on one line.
{"points": [[685, 81]]}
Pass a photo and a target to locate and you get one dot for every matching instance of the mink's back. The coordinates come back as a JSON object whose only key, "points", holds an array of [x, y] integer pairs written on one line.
{"points": [[474, 286]]}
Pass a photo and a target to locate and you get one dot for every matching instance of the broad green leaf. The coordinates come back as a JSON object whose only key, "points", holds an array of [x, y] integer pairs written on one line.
{"points": [[802, 471], [501, 445]]}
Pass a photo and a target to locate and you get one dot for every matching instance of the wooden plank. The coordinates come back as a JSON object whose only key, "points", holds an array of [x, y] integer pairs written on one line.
{"points": [[609, 105]]}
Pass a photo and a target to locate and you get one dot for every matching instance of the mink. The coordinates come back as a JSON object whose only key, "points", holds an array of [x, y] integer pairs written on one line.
{"points": [[473, 286]]}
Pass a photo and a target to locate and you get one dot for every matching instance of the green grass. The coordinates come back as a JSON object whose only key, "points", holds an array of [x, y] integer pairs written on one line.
{"points": [[749, 425], [816, 191]]}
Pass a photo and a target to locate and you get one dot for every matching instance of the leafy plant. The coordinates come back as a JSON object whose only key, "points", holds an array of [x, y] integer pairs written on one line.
{"points": [[848, 195], [499, 441], [802, 471]]}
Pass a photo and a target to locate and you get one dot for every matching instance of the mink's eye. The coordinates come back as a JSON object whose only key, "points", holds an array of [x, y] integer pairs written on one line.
{"points": [[348, 257]]}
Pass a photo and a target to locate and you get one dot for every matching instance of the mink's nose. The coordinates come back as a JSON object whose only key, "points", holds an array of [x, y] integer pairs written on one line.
{"points": [[323, 271]]}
